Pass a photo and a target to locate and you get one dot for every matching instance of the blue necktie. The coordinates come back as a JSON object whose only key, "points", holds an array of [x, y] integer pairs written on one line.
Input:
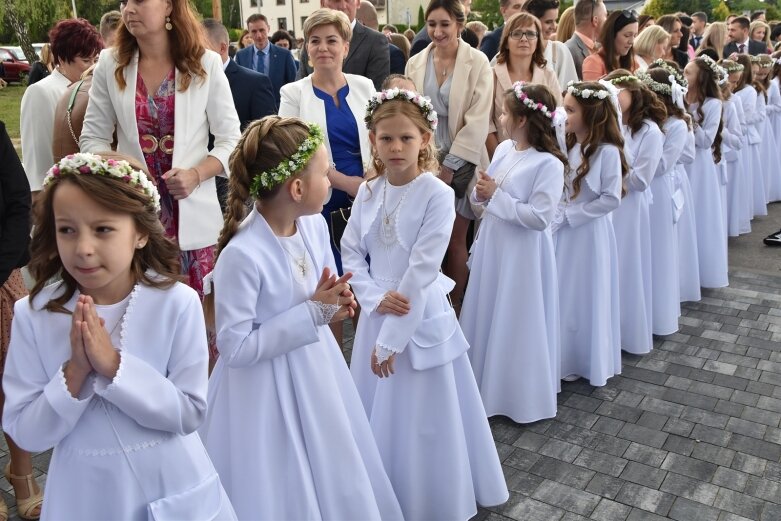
{"points": [[261, 65]]}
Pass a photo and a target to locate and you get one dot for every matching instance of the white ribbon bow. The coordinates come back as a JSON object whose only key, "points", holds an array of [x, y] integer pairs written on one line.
{"points": [[558, 122], [678, 92]]}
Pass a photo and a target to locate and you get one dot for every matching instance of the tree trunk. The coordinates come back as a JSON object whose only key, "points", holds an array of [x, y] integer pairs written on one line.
{"points": [[217, 10], [20, 29]]}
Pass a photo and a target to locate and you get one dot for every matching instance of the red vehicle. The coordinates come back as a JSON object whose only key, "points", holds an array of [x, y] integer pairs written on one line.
{"points": [[11, 66]]}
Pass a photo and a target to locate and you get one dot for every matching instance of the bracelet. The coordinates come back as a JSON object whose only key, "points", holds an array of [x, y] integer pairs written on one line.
{"points": [[198, 173]]}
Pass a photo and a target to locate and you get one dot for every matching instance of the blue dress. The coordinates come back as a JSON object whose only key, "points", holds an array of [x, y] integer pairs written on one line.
{"points": [[345, 153]]}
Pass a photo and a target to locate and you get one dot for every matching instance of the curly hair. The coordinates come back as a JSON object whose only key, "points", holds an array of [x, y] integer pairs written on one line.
{"points": [[427, 157], [74, 38], [707, 86], [186, 40], [660, 75], [515, 22], [160, 254], [602, 119], [645, 105], [541, 134]]}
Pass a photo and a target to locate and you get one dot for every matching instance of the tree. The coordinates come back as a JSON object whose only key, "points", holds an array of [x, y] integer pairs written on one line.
{"points": [[31, 20], [421, 17], [720, 12], [489, 12]]}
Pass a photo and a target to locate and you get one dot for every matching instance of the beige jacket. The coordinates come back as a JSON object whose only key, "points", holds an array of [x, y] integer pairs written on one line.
{"points": [[470, 100]]}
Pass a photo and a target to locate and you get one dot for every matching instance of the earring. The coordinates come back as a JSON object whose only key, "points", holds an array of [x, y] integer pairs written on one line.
{"points": [[168, 25]]}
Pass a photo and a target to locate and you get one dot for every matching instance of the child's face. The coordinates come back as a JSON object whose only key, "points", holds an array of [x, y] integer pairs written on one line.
{"points": [[509, 123], [398, 142], [690, 73], [733, 79], [762, 73], [574, 112], [625, 102], [315, 182], [96, 245]]}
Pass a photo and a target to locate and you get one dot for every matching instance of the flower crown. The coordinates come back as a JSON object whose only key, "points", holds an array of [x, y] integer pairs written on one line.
{"points": [[528, 102], [671, 70], [661, 88], [84, 164], [288, 167], [712, 65], [422, 102], [586, 93], [763, 62], [735, 67], [623, 79]]}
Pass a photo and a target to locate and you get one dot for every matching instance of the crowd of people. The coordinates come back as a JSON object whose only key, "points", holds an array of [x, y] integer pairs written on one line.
{"points": [[495, 211]]}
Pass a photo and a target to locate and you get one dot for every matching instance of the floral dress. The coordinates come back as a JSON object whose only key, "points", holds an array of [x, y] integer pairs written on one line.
{"points": [[155, 116]]}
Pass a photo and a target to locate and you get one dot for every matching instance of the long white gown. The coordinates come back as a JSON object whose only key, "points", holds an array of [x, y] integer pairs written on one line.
{"points": [[127, 442], [738, 210], [285, 428], [632, 227], [707, 191], [768, 147], [664, 218], [750, 100], [587, 264], [749, 155], [688, 254], [510, 314], [731, 144], [774, 106], [428, 418]]}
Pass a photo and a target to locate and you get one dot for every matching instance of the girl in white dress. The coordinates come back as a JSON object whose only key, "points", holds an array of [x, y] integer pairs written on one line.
{"points": [[768, 148], [744, 182], [744, 89], [586, 254], [642, 114], [734, 140], [511, 309], [109, 365], [285, 428], [775, 95], [409, 357], [665, 209], [704, 98]]}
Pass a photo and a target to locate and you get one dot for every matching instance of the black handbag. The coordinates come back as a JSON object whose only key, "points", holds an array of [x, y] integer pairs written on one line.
{"points": [[338, 223], [461, 179]]}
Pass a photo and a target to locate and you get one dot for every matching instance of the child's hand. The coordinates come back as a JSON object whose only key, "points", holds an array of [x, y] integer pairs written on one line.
{"points": [[333, 291], [394, 303], [385, 369], [97, 342], [79, 362], [486, 186]]}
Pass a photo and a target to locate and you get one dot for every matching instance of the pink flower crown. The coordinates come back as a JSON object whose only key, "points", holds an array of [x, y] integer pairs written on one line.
{"points": [[530, 103]]}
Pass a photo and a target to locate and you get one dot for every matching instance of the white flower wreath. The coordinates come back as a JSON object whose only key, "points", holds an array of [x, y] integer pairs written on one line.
{"points": [[84, 164], [586, 93], [422, 102]]}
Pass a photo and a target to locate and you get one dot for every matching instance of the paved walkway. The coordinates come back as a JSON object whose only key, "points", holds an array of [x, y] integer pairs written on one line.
{"points": [[691, 431]]}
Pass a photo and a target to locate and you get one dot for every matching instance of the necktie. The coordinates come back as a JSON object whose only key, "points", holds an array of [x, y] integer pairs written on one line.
{"points": [[742, 48], [261, 64]]}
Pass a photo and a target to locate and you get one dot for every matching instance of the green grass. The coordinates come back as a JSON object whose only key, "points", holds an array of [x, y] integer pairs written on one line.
{"points": [[10, 102]]}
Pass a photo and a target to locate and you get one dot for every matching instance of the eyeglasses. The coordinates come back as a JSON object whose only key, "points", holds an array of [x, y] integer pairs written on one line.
{"points": [[519, 35]]}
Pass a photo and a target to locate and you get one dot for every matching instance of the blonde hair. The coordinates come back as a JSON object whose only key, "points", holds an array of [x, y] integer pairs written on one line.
{"points": [[714, 37], [427, 157], [648, 39], [47, 59], [323, 17], [566, 25], [756, 24], [477, 26]]}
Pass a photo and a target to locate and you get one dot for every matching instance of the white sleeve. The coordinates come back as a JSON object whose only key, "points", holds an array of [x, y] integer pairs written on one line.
{"points": [[705, 131], [241, 340], [172, 402], [368, 293], [39, 410], [565, 66], [731, 134], [537, 212], [610, 191], [750, 108], [647, 155], [425, 259], [689, 150], [290, 102], [674, 143], [101, 117], [37, 156]]}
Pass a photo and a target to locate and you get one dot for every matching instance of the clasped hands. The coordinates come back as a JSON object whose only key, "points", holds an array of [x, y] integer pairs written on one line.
{"points": [[335, 291], [486, 186], [91, 347]]}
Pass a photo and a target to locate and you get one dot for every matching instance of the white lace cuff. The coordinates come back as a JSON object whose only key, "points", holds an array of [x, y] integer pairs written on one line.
{"points": [[383, 354], [322, 313]]}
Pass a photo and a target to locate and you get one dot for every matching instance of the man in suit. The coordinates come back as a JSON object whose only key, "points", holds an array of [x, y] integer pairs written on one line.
{"points": [[265, 57], [422, 39], [739, 40], [368, 55], [367, 16], [699, 22], [253, 94], [590, 15], [490, 43]]}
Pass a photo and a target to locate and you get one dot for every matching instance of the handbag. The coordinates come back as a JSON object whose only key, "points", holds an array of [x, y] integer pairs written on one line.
{"points": [[461, 179], [338, 220]]}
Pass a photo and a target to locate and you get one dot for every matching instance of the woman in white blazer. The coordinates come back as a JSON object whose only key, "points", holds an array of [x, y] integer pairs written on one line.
{"points": [[459, 82], [337, 102], [164, 93]]}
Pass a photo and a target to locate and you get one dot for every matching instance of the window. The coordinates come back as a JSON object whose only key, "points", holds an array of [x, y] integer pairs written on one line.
{"points": [[282, 22], [303, 20], [255, 3], [280, 2]]}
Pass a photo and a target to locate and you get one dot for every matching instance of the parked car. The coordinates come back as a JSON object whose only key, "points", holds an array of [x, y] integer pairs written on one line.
{"points": [[13, 67]]}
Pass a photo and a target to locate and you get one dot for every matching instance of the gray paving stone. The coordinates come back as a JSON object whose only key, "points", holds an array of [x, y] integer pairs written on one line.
{"points": [[771, 513], [747, 428], [523, 508], [560, 450], [608, 510], [678, 426], [568, 498], [641, 515], [646, 455], [749, 464], [643, 435], [689, 488], [562, 472], [584, 403], [652, 420], [530, 441], [759, 448], [601, 462], [713, 454], [646, 499], [522, 459], [619, 412], [709, 434], [731, 479], [679, 445], [686, 510], [608, 426], [691, 467], [523, 482], [605, 486], [740, 504], [763, 489], [643, 475]]}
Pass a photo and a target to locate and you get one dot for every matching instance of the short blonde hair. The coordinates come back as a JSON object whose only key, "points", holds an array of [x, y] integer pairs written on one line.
{"points": [[323, 17], [477, 27], [649, 38]]}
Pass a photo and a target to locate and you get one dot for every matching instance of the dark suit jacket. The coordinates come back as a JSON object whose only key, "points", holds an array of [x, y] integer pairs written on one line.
{"points": [[579, 52], [490, 43], [14, 209], [397, 60], [754, 48], [420, 42], [253, 93], [282, 67], [368, 56]]}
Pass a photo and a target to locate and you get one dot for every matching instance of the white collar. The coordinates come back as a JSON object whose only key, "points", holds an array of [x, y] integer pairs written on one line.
{"points": [[225, 64], [352, 24]]}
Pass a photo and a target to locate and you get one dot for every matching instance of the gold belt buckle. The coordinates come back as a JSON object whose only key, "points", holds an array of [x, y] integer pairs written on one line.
{"points": [[150, 144]]}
